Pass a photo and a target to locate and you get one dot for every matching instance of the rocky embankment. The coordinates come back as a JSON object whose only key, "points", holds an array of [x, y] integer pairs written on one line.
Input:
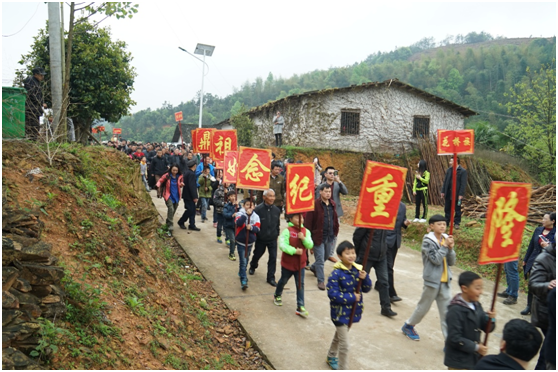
{"points": [[30, 286]]}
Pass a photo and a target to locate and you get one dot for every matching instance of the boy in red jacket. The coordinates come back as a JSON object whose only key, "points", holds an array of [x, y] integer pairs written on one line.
{"points": [[294, 241]]}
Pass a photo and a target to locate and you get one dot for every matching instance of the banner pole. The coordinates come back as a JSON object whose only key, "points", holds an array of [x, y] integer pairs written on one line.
{"points": [[359, 284], [247, 223], [299, 264], [494, 294], [453, 192]]}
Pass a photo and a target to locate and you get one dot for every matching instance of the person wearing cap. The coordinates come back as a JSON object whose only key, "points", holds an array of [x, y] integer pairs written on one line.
{"points": [[34, 103]]}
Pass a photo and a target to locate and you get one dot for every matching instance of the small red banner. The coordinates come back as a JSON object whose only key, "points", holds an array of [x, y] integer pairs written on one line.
{"points": [[230, 172], [380, 195], [116, 130], [300, 188], [178, 116], [456, 141], [253, 168], [508, 206], [219, 164], [223, 140], [201, 140]]}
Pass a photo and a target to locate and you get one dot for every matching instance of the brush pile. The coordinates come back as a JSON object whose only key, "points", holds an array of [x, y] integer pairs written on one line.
{"points": [[543, 200]]}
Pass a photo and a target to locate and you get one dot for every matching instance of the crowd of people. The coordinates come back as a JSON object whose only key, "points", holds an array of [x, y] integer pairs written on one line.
{"points": [[253, 224]]}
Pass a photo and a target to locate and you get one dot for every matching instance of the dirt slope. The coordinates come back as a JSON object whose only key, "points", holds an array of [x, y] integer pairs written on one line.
{"points": [[135, 301]]}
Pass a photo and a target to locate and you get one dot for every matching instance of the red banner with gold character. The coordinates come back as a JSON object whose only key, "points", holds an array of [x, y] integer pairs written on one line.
{"points": [[380, 195], [223, 140], [508, 206], [253, 168], [300, 188], [456, 141], [230, 171], [194, 141], [203, 138], [219, 164]]}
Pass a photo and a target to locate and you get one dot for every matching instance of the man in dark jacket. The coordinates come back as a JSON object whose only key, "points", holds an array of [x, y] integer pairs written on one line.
{"points": [[549, 347], [460, 192], [158, 167], [541, 281], [277, 184], [520, 343], [393, 241], [377, 260], [34, 103], [270, 219], [190, 197], [324, 225]]}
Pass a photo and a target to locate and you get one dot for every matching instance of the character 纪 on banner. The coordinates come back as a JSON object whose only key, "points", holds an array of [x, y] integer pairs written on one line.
{"points": [[508, 206], [380, 194], [223, 140], [230, 171], [300, 188], [254, 167]]}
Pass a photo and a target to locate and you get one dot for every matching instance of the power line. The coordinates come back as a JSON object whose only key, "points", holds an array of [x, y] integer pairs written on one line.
{"points": [[37, 8]]}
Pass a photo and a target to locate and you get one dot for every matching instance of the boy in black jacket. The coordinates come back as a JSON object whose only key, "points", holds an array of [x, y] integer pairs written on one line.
{"points": [[465, 320]]}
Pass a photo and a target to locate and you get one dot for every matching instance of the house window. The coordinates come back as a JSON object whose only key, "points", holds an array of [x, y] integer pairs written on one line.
{"points": [[350, 122], [421, 126]]}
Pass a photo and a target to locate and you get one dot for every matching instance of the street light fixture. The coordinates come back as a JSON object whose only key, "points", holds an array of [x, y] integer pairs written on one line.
{"points": [[205, 50]]}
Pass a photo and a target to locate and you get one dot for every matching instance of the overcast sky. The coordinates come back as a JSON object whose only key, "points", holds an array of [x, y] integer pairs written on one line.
{"points": [[253, 38]]}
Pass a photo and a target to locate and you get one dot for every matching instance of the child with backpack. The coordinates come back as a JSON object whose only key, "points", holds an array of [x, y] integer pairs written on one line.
{"points": [[219, 203], [229, 214], [294, 242]]}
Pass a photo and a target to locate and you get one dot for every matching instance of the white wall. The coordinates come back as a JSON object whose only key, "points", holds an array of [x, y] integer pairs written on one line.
{"points": [[386, 119]]}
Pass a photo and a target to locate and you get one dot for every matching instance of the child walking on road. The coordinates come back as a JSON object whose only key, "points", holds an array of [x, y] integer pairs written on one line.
{"points": [[466, 319], [294, 242], [229, 214], [437, 257], [247, 224], [341, 287], [219, 203]]}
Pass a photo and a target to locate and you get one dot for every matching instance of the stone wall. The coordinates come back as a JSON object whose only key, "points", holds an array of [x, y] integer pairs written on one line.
{"points": [[30, 286], [386, 119]]}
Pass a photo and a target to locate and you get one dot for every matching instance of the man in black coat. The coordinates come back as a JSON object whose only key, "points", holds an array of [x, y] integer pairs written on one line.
{"points": [[520, 343], [190, 197], [393, 241], [270, 219], [460, 192], [377, 258], [157, 168], [34, 103]]}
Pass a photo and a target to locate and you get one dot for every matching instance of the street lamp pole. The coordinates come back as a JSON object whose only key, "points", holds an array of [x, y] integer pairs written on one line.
{"points": [[205, 50], [201, 96]]}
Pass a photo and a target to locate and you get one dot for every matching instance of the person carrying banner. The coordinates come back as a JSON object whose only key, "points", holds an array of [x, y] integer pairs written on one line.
{"points": [[461, 183], [466, 318], [342, 293], [294, 242], [437, 257]]}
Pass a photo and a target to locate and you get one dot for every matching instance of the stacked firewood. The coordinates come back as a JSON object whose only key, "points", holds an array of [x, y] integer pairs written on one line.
{"points": [[543, 201]]}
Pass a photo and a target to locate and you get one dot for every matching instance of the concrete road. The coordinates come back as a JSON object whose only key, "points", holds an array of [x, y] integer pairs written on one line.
{"points": [[291, 342]]}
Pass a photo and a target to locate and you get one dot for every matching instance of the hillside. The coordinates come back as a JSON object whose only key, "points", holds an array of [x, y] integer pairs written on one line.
{"points": [[133, 298], [476, 74]]}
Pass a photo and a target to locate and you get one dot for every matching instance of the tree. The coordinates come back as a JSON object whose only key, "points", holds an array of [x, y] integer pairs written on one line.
{"points": [[101, 77], [244, 127], [533, 103]]}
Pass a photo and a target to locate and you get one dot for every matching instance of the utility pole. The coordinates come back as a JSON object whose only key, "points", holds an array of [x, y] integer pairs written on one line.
{"points": [[55, 45], [63, 110]]}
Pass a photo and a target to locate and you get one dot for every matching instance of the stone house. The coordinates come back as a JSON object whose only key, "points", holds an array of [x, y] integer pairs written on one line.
{"points": [[381, 116]]}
